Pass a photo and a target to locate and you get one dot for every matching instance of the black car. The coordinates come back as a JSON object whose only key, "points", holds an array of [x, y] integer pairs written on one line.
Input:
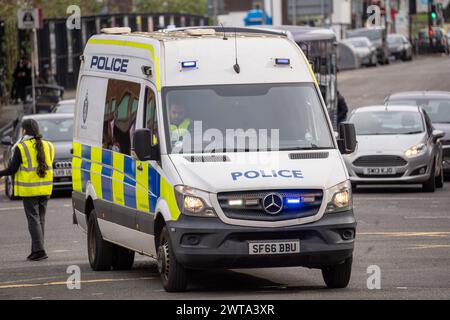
{"points": [[56, 128], [437, 106], [378, 37], [399, 47]]}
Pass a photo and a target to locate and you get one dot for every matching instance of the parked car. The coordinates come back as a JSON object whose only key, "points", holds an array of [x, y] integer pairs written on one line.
{"points": [[56, 128], [439, 41], [437, 106], [65, 106], [377, 36], [365, 50], [396, 145], [399, 47]]}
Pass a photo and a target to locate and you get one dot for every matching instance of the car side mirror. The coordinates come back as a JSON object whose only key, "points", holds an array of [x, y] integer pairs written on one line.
{"points": [[142, 146], [437, 134], [347, 138], [6, 141]]}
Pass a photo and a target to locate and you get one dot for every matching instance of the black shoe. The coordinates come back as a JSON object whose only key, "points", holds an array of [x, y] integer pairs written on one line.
{"points": [[38, 256], [31, 254]]}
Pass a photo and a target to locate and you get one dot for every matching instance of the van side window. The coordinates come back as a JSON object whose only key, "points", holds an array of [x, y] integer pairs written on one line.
{"points": [[150, 120], [122, 100]]}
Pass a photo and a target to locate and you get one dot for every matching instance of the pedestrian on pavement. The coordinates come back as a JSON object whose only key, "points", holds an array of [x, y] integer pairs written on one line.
{"points": [[342, 108], [21, 79], [32, 167]]}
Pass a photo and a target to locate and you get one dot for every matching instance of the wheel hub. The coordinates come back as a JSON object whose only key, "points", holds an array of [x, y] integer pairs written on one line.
{"points": [[163, 260]]}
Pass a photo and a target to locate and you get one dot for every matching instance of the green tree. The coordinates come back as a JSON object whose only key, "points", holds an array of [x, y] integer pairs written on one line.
{"points": [[174, 6], [50, 9]]}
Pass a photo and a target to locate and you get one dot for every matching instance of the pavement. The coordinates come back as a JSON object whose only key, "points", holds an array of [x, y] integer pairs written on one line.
{"points": [[402, 232]]}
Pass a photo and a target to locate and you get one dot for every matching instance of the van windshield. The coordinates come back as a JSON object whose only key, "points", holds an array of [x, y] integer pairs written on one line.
{"points": [[250, 117]]}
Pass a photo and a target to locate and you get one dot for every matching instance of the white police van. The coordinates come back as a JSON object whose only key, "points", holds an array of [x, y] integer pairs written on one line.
{"points": [[205, 149]]}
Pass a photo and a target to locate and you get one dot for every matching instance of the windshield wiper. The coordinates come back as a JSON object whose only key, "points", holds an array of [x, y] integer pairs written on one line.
{"points": [[312, 147], [413, 132]]}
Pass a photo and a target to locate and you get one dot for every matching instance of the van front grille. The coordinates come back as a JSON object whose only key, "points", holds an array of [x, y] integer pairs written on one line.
{"points": [[249, 205]]}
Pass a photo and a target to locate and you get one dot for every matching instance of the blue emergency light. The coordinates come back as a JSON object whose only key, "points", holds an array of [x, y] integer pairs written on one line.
{"points": [[282, 61], [293, 200], [189, 64]]}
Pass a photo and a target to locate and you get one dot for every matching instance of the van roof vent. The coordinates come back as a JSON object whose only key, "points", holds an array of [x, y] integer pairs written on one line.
{"points": [[217, 158], [309, 155], [117, 30]]}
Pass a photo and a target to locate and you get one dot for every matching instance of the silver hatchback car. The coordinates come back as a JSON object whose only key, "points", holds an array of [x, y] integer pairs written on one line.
{"points": [[396, 145]]}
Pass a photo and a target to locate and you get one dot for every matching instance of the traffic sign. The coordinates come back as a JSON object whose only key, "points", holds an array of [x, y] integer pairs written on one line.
{"points": [[30, 18]]}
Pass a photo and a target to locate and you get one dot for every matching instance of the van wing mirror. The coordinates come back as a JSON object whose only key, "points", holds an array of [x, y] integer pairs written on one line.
{"points": [[6, 141], [142, 146], [347, 138]]}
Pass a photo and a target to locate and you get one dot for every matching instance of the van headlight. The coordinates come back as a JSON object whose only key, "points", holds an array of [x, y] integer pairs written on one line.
{"points": [[194, 202], [415, 150], [339, 197]]}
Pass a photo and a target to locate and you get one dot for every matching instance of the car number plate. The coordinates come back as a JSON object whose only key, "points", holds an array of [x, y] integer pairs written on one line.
{"points": [[274, 247], [379, 171], [62, 172]]}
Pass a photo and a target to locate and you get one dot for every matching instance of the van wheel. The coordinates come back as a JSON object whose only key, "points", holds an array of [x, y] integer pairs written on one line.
{"points": [[440, 179], [338, 276], [123, 258], [173, 274], [100, 252], [430, 184]]}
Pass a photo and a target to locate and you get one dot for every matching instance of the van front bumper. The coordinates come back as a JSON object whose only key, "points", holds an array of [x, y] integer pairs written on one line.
{"points": [[200, 243]]}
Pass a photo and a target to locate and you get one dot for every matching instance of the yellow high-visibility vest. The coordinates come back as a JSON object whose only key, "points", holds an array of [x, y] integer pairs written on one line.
{"points": [[27, 183], [181, 129]]}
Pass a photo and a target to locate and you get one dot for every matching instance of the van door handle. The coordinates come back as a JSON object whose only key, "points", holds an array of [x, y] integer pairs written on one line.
{"points": [[140, 168]]}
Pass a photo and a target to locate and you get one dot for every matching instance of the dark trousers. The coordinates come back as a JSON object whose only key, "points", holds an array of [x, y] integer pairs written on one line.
{"points": [[35, 208]]}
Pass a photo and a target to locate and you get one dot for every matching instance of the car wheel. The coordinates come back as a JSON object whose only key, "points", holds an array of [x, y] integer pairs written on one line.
{"points": [[430, 184], [100, 252], [173, 274], [338, 276], [440, 179], [9, 188]]}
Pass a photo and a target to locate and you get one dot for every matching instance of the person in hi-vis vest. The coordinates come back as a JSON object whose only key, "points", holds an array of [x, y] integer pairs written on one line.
{"points": [[179, 123], [32, 167]]}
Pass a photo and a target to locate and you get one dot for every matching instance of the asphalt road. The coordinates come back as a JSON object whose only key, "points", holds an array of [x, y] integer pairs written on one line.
{"points": [[405, 232]]}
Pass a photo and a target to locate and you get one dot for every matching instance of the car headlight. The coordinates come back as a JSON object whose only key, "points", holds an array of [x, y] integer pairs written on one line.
{"points": [[339, 197], [415, 150], [194, 202]]}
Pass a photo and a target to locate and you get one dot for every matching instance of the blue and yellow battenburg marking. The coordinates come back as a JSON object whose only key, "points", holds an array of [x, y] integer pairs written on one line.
{"points": [[120, 179]]}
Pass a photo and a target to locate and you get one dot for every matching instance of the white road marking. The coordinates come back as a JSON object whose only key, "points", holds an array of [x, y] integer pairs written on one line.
{"points": [[11, 208], [426, 217], [406, 234], [430, 246]]}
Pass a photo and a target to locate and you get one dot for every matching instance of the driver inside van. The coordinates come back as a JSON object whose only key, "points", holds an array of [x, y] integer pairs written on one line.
{"points": [[179, 123]]}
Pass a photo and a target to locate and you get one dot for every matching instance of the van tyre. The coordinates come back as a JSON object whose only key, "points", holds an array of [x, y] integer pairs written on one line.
{"points": [[173, 274], [338, 276], [430, 184], [123, 258], [100, 252]]}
